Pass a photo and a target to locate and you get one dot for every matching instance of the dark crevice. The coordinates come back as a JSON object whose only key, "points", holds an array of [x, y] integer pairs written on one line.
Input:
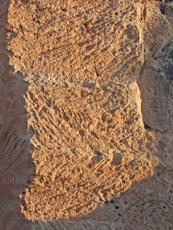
{"points": [[162, 9], [147, 127]]}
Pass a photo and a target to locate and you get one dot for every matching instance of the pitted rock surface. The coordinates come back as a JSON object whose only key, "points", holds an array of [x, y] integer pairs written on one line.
{"points": [[86, 39], [86, 115]]}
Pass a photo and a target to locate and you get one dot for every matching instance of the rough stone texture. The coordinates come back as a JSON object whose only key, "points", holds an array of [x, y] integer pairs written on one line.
{"points": [[155, 82], [92, 150], [86, 115], [85, 39]]}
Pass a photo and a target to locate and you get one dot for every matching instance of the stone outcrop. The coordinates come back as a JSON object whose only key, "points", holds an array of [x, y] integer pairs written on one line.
{"points": [[86, 114]]}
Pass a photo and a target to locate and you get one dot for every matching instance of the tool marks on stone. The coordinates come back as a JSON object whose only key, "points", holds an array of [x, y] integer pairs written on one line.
{"points": [[81, 39], [86, 146]]}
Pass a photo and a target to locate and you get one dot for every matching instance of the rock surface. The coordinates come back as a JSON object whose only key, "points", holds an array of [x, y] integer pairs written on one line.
{"points": [[86, 116]]}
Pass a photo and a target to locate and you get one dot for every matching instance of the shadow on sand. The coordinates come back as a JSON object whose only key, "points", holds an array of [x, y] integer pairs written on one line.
{"points": [[16, 168]]}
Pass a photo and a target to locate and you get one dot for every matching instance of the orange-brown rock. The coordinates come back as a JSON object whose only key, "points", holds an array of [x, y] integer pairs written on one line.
{"points": [[86, 114]]}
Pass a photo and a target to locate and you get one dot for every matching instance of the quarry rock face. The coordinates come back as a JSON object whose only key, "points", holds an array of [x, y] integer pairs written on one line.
{"points": [[86, 115]]}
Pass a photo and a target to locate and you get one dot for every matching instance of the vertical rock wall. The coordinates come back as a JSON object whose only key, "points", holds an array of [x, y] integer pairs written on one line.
{"points": [[86, 96]]}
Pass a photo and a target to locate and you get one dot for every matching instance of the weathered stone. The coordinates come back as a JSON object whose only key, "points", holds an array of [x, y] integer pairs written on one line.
{"points": [[86, 114]]}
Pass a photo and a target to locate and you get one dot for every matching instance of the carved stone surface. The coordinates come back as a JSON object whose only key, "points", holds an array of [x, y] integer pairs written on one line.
{"points": [[86, 115]]}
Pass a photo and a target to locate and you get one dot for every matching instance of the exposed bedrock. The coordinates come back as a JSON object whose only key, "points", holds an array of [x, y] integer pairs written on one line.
{"points": [[86, 90]]}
